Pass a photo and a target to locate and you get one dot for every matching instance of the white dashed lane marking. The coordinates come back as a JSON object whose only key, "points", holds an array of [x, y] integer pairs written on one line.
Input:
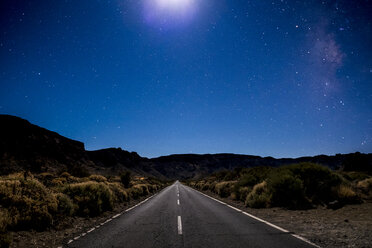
{"points": [[179, 222]]}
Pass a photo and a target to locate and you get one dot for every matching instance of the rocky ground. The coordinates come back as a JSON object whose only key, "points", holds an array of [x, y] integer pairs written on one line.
{"points": [[349, 226]]}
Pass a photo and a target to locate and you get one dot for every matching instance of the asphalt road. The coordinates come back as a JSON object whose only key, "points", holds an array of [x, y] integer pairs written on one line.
{"points": [[179, 216]]}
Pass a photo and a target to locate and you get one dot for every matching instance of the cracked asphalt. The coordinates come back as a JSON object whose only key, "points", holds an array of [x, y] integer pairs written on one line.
{"points": [[204, 223]]}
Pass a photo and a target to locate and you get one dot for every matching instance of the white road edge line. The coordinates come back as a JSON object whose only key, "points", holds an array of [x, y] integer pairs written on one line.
{"points": [[179, 222], [110, 219], [259, 219]]}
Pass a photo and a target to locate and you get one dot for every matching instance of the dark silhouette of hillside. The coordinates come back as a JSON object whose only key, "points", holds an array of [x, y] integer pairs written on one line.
{"points": [[24, 146]]}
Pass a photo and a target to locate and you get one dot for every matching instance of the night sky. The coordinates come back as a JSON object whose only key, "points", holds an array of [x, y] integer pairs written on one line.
{"points": [[269, 78]]}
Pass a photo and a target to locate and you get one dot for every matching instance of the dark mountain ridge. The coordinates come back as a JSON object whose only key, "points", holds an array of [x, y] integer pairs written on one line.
{"points": [[24, 146]]}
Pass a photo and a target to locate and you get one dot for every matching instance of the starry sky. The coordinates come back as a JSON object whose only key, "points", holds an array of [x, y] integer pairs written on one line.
{"points": [[270, 78]]}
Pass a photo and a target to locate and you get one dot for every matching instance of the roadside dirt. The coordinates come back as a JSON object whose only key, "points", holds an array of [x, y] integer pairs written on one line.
{"points": [[349, 226], [66, 229]]}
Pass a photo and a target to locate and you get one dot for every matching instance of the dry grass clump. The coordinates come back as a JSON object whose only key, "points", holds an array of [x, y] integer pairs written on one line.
{"points": [[346, 194], [259, 197], [97, 178], [92, 198], [224, 189], [119, 194], [139, 190], [66, 206], [365, 185]]}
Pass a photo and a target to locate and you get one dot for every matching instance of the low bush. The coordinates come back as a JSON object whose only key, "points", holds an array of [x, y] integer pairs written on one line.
{"points": [[243, 192], [142, 189], [286, 189], [59, 181], [346, 195], [224, 189], [318, 181], [259, 197], [365, 185], [92, 198], [120, 194], [66, 207], [97, 178], [29, 203]]}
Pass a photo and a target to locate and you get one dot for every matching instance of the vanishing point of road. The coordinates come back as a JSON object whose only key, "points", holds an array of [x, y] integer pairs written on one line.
{"points": [[179, 216]]}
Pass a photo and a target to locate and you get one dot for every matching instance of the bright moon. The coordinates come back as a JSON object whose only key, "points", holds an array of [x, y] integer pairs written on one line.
{"points": [[169, 14], [174, 4]]}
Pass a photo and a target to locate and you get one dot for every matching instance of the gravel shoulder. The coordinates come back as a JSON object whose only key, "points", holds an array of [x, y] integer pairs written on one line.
{"points": [[349, 226]]}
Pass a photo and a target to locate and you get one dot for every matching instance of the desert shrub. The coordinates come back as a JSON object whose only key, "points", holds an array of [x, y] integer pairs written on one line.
{"points": [[192, 184], [92, 198], [202, 185], [153, 187], [97, 178], [254, 175], [212, 186], [224, 189], [259, 197], [45, 178], [144, 190], [346, 195], [59, 181], [14, 176], [243, 193], [66, 206], [318, 181], [286, 189], [65, 174], [125, 178], [205, 186], [135, 192], [365, 185], [29, 202], [119, 193]]}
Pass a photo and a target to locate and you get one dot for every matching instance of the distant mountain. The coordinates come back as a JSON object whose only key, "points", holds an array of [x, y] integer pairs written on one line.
{"points": [[24, 146]]}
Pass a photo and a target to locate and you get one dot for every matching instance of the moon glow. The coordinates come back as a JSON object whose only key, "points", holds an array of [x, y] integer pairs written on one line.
{"points": [[169, 13]]}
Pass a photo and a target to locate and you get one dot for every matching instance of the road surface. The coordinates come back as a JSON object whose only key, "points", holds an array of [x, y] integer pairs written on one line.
{"points": [[179, 216]]}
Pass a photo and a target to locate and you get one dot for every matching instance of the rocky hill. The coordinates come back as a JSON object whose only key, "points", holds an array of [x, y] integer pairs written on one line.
{"points": [[24, 146]]}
